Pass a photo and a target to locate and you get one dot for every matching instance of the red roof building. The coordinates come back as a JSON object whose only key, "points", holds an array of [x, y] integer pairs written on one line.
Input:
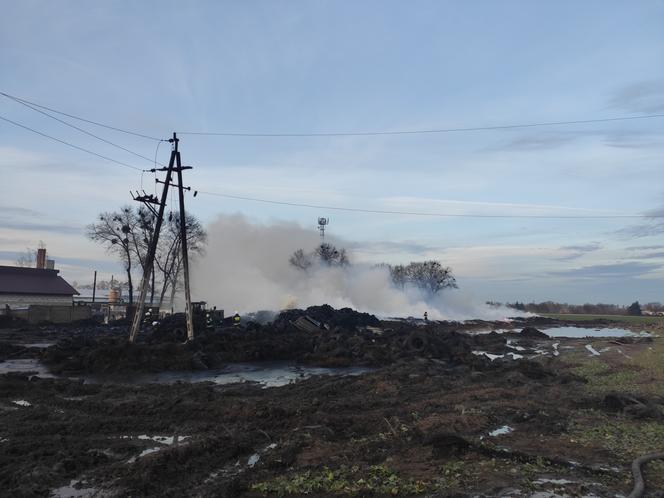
{"points": [[21, 287]]}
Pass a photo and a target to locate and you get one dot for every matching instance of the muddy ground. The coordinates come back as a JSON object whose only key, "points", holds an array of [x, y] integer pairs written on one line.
{"points": [[434, 418], [347, 338]]}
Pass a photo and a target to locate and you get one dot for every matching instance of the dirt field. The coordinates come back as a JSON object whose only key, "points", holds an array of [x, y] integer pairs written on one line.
{"points": [[433, 419]]}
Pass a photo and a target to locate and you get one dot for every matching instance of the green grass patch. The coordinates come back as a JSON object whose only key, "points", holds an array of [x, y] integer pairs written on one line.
{"points": [[652, 362], [622, 436], [602, 379], [626, 438], [643, 373], [452, 474], [376, 480]]}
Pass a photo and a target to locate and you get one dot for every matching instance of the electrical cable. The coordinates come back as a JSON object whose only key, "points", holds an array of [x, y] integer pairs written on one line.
{"points": [[415, 213], [316, 206], [18, 99], [156, 151], [348, 134], [69, 144], [426, 131], [29, 106]]}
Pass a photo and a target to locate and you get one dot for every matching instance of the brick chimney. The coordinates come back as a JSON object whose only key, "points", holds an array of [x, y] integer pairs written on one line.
{"points": [[41, 259]]}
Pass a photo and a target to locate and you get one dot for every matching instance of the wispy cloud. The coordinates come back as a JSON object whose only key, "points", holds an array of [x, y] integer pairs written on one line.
{"points": [[652, 255], [644, 248], [654, 226], [539, 141], [18, 211], [645, 96], [633, 139], [450, 206], [26, 225], [624, 139], [577, 251], [19, 218], [104, 265], [617, 270], [392, 247]]}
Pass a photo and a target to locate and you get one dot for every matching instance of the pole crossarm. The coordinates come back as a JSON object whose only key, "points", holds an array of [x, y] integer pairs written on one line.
{"points": [[174, 185], [178, 168], [149, 200], [146, 198]]}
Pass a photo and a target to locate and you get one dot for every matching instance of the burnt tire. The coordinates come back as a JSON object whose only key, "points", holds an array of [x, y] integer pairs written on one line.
{"points": [[180, 334], [417, 341]]}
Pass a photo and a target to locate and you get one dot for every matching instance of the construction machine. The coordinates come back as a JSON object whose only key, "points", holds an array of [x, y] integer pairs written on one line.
{"points": [[174, 327]]}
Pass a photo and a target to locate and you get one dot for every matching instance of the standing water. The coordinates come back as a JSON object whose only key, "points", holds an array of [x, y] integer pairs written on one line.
{"points": [[267, 374]]}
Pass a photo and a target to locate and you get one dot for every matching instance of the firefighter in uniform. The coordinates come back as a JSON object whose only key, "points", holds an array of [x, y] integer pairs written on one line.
{"points": [[236, 319]]}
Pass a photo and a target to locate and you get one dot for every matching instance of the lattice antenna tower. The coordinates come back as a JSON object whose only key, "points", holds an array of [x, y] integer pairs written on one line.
{"points": [[322, 223]]}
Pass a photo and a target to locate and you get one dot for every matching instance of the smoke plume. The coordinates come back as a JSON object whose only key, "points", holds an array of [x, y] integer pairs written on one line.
{"points": [[246, 268]]}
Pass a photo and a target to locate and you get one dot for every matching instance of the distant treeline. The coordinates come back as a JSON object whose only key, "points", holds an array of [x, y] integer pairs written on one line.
{"points": [[101, 284], [588, 308]]}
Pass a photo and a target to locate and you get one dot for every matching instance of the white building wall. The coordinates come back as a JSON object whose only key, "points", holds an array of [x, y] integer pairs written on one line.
{"points": [[24, 300]]}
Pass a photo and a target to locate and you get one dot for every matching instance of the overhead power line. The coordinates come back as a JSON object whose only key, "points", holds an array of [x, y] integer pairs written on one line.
{"points": [[96, 123], [343, 133], [66, 123], [347, 134], [417, 213], [317, 206], [425, 131], [69, 144]]}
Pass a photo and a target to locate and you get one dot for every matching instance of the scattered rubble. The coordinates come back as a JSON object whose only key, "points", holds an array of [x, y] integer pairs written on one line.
{"points": [[533, 333], [318, 336]]}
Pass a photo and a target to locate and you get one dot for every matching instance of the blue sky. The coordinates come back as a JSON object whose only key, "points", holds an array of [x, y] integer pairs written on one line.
{"points": [[341, 66]]}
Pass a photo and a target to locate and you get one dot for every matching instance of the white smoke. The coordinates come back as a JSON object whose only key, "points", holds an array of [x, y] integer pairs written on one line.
{"points": [[246, 268]]}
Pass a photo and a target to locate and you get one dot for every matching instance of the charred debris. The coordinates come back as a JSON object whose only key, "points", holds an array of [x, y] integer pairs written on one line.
{"points": [[318, 336]]}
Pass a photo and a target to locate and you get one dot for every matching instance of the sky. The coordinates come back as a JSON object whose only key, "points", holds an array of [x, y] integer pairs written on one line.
{"points": [[341, 67]]}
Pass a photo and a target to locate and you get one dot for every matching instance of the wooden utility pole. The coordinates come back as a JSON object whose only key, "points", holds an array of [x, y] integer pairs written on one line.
{"points": [[148, 200], [185, 257], [94, 287]]}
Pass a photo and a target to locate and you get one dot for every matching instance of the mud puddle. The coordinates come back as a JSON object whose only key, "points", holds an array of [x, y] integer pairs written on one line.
{"points": [[25, 365], [272, 374], [576, 332], [580, 332], [38, 345], [74, 490]]}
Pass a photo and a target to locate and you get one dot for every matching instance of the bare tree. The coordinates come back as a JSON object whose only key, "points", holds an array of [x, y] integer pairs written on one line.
{"points": [[326, 254], [431, 276], [331, 256], [301, 260], [128, 234], [115, 231], [168, 259], [140, 239], [399, 275], [26, 259]]}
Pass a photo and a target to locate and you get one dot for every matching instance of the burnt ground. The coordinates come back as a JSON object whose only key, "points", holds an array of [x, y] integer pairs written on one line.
{"points": [[349, 338], [421, 424]]}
